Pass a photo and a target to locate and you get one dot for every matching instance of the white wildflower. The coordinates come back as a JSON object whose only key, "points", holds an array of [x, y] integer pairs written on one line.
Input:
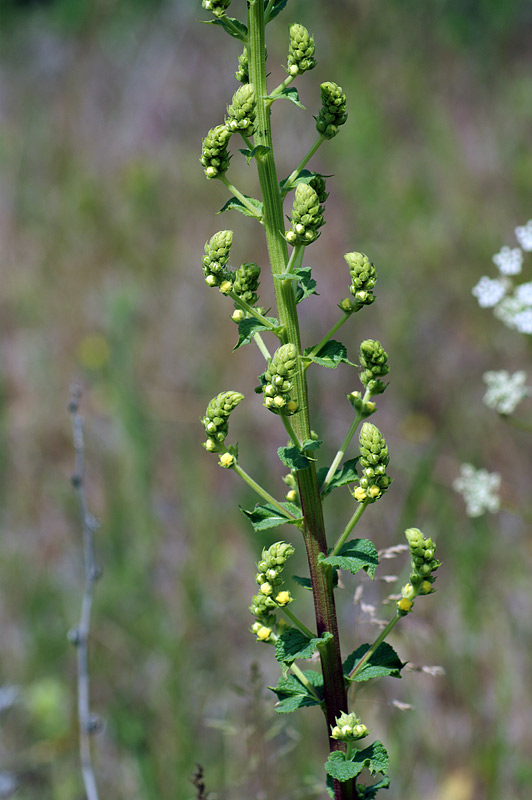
{"points": [[479, 489], [509, 260], [507, 310], [505, 391], [489, 291], [523, 321], [523, 293], [523, 234]]}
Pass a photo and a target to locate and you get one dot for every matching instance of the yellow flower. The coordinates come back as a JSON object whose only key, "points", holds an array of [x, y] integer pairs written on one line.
{"points": [[263, 634], [227, 460], [283, 598], [404, 604], [360, 494]]}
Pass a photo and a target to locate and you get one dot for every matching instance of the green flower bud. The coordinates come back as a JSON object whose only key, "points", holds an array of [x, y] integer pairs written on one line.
{"points": [[333, 110], [363, 280], [278, 385], [215, 260], [301, 50], [214, 154], [218, 7], [242, 111], [307, 216], [242, 73], [216, 421], [246, 283], [414, 538], [373, 450], [348, 728], [373, 357], [318, 184]]}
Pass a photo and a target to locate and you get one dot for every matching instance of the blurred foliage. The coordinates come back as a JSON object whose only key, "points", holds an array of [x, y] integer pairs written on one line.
{"points": [[103, 216]]}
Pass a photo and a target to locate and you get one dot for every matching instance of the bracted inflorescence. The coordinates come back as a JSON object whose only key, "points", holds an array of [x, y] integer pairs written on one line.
{"points": [[333, 111], [218, 7], [214, 154], [374, 459], [300, 51], [242, 111], [215, 260], [423, 565], [348, 728], [375, 362], [307, 216], [270, 596], [216, 422], [363, 280], [242, 72], [278, 384], [246, 282]]}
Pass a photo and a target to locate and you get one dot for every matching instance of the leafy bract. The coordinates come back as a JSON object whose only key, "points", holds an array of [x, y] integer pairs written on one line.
{"points": [[293, 644], [306, 285], [231, 25], [374, 757], [289, 93], [353, 556], [343, 475], [330, 355], [304, 176], [306, 583], [267, 516], [382, 663], [276, 8], [293, 458], [238, 205], [247, 329], [292, 694], [363, 792], [257, 152]]}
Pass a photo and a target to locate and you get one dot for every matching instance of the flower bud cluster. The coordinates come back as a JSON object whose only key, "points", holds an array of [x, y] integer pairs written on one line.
{"points": [[246, 282], [216, 421], [348, 728], [270, 595], [363, 280], [333, 110], [215, 260], [242, 73], [278, 385], [375, 362], [365, 409], [423, 566], [307, 216], [300, 50], [214, 154], [242, 111], [318, 184], [292, 494], [218, 7], [373, 459]]}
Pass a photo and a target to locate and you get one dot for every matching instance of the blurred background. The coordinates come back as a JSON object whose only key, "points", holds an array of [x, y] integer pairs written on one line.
{"points": [[104, 210]]}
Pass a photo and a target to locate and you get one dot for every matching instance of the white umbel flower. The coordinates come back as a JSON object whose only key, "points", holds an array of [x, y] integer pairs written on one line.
{"points": [[523, 234], [505, 391], [523, 321], [509, 260], [489, 291], [523, 293], [480, 490]]}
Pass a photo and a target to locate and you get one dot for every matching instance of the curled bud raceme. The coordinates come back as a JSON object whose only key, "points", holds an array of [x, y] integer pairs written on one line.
{"points": [[215, 260], [300, 50], [424, 564], [348, 728], [242, 73], [375, 362], [363, 280], [307, 216], [278, 386], [246, 283], [242, 111], [216, 421], [333, 110], [269, 580], [214, 154], [373, 459], [217, 7]]}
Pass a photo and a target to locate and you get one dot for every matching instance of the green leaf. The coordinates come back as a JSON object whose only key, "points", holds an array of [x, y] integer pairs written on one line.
{"points": [[257, 152], [306, 285], [241, 31], [292, 694], [343, 475], [306, 583], [238, 205], [384, 662], [293, 458], [330, 355], [247, 329], [353, 556], [266, 516], [276, 9], [293, 644], [311, 444], [370, 792], [304, 176], [289, 93], [374, 757]]}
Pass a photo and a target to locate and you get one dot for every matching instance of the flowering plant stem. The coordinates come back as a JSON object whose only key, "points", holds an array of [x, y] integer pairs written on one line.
{"points": [[313, 526]]}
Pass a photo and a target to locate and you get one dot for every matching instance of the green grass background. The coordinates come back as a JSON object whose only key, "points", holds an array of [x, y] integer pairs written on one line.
{"points": [[103, 214]]}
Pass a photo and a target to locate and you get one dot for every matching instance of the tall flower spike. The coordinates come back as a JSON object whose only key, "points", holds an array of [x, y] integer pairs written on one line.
{"points": [[216, 419], [333, 110], [215, 260], [246, 282], [218, 7], [374, 459], [270, 596], [375, 362], [300, 50], [214, 154], [307, 216], [363, 280], [242, 111], [423, 566], [278, 385]]}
